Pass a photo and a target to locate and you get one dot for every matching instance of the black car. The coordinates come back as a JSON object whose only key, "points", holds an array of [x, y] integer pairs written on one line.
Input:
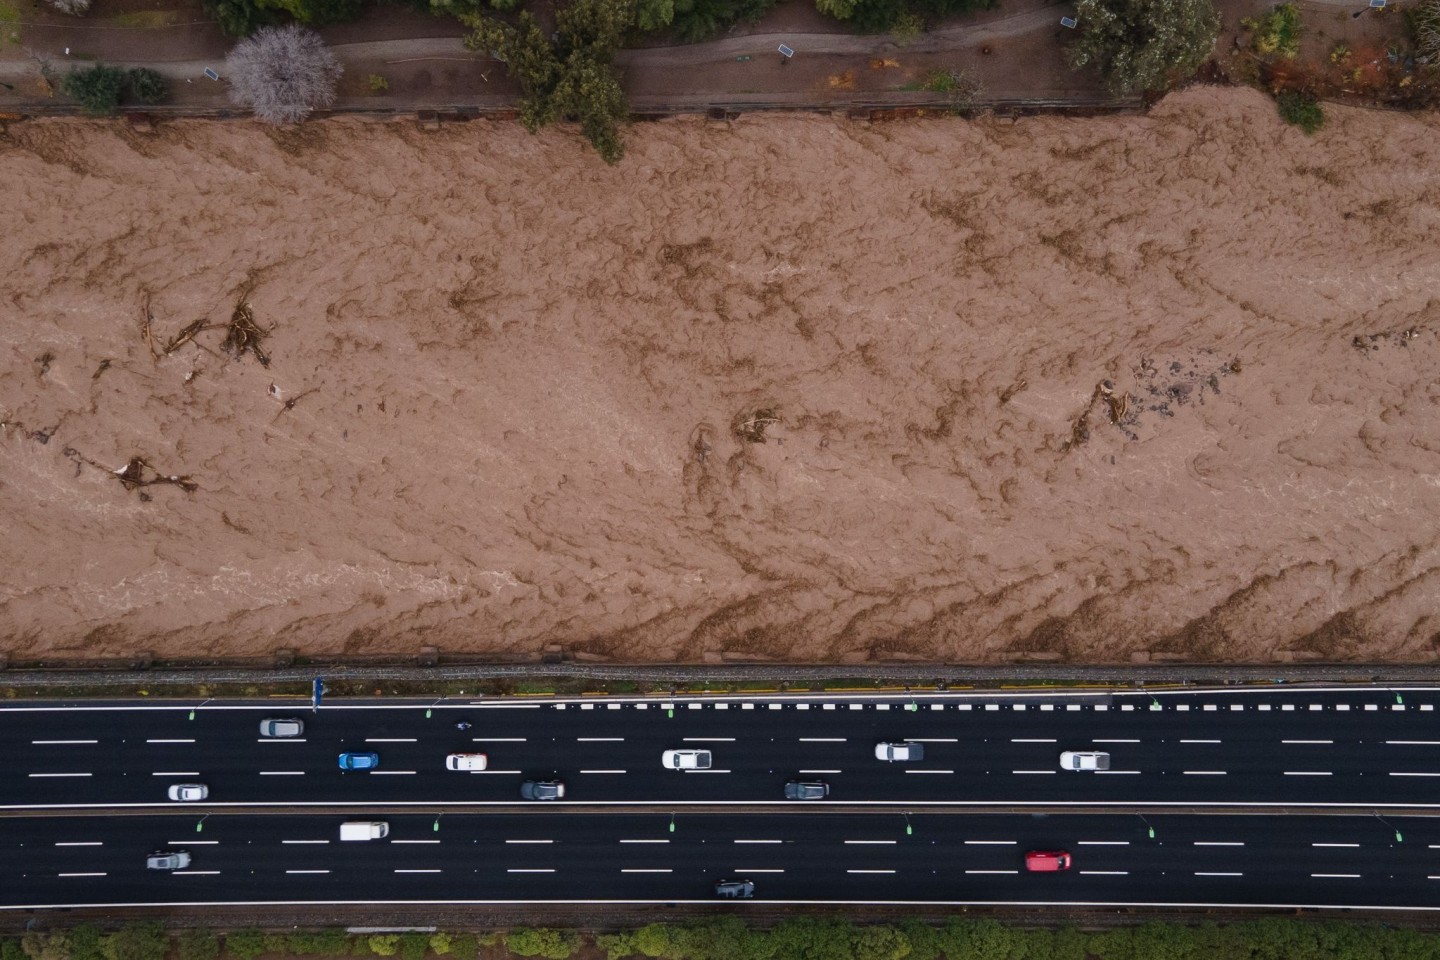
{"points": [[542, 790], [806, 790], [734, 889]]}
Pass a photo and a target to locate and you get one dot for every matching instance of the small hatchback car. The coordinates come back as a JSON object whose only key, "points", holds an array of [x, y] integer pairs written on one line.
{"points": [[359, 761], [281, 729], [168, 860], [734, 889], [187, 792], [1047, 861]]}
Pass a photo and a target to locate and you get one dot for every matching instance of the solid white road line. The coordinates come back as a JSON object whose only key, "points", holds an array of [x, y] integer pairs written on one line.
{"points": [[1199, 741], [1014, 740], [932, 739], [756, 870], [194, 843], [1111, 773], [819, 771], [499, 739], [1398, 743], [496, 771], [196, 873], [398, 870], [1024, 772], [392, 773], [823, 740], [706, 771], [80, 843], [602, 771], [173, 773], [281, 740], [599, 739], [1415, 774], [414, 841], [1114, 741], [708, 739], [307, 871], [282, 773], [39, 775], [56, 743]]}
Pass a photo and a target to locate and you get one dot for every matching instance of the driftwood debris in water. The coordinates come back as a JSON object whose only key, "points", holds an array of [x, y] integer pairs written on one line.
{"points": [[243, 334]]}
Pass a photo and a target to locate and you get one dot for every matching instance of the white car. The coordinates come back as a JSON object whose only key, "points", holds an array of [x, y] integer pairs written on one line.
{"points": [[903, 752], [1084, 760], [686, 760], [188, 792], [282, 729], [466, 762]]}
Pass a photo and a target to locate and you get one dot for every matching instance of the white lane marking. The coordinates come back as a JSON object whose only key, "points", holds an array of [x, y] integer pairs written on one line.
{"points": [[1219, 843], [1103, 843], [932, 739], [80, 843], [992, 871], [1114, 741], [529, 841], [56, 743], [170, 741], [495, 771], [507, 706], [1307, 741], [194, 843], [1014, 740], [499, 739], [414, 841], [82, 874], [1415, 743], [1308, 773], [991, 843], [872, 841], [393, 773], [1023, 772], [756, 870], [599, 739], [869, 871], [1107, 873], [282, 773], [1112, 773], [705, 771], [304, 841], [1204, 773], [391, 740], [530, 870], [38, 775], [282, 740], [1334, 844], [399, 870], [929, 771], [1337, 876], [1415, 774], [759, 841], [174, 773], [602, 771], [646, 870], [1213, 873], [307, 871], [823, 740], [1199, 741], [644, 841], [196, 873], [707, 739]]}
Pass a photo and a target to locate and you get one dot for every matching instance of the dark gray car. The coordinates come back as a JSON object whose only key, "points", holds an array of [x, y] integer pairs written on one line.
{"points": [[542, 790], [806, 790]]}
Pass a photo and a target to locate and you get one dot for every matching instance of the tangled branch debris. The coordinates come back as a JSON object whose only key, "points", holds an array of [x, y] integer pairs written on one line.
{"points": [[184, 336], [133, 475], [243, 334], [147, 328]]}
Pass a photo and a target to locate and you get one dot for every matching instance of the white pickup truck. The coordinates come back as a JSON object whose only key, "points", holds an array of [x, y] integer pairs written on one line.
{"points": [[685, 760]]}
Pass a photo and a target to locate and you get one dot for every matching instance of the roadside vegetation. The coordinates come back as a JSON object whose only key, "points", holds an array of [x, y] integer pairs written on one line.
{"points": [[730, 938], [100, 89], [1143, 45]]}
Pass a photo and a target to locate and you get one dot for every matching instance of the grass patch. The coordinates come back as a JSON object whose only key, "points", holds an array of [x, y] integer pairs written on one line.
{"points": [[145, 19], [9, 13], [1301, 110]]}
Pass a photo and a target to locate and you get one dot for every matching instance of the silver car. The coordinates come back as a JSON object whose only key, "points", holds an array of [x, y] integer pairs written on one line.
{"points": [[281, 729], [188, 792], [168, 860], [1085, 760]]}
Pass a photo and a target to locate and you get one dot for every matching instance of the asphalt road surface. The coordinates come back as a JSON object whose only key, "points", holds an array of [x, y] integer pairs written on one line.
{"points": [[953, 858], [1362, 746]]}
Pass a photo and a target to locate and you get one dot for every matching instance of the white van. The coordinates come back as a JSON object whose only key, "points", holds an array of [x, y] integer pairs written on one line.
{"points": [[364, 830]]}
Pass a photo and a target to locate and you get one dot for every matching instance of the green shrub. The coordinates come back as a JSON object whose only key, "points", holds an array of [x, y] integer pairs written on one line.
{"points": [[277, 943], [46, 946], [97, 88], [881, 942], [245, 944], [413, 946], [147, 86], [1140, 45], [441, 943], [137, 941], [384, 944], [197, 945], [463, 946], [85, 942], [1278, 32], [1301, 110], [10, 949], [546, 942], [617, 946]]}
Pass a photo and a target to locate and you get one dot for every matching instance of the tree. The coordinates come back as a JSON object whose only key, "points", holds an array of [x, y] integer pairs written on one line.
{"points": [[1140, 45], [238, 18], [97, 88], [282, 73], [543, 942], [75, 8], [146, 85], [46, 946], [197, 944]]}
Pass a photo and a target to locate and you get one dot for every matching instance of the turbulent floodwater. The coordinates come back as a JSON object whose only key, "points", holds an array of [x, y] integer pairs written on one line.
{"points": [[1082, 388]]}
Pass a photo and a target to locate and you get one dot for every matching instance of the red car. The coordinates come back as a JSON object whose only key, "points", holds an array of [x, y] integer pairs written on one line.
{"points": [[1047, 861]]}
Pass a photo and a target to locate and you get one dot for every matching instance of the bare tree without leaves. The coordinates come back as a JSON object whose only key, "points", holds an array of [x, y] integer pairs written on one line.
{"points": [[282, 73]]}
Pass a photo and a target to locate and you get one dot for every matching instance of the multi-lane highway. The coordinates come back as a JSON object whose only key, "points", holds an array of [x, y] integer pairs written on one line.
{"points": [[1335, 861], [1368, 747], [1196, 766]]}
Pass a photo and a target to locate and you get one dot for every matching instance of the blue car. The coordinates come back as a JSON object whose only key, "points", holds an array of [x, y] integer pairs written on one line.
{"points": [[359, 761]]}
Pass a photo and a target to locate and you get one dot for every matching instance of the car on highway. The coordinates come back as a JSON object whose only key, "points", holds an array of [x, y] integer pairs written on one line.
{"points": [[734, 889], [542, 790], [466, 762], [359, 761], [187, 792], [281, 728], [1084, 760], [1047, 861], [806, 790], [168, 860], [903, 752], [686, 760]]}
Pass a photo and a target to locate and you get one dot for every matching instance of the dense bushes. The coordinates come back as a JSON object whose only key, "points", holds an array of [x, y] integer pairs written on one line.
{"points": [[100, 88], [1301, 110], [1139, 45], [804, 938]]}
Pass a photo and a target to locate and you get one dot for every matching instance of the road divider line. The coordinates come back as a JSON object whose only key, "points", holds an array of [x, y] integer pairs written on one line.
{"points": [[53, 775], [1024, 772], [992, 871], [404, 870], [79, 843], [496, 771], [1304, 742], [644, 841], [932, 739], [172, 773], [759, 841], [529, 841], [1014, 740], [194, 843], [1204, 773], [991, 843], [602, 771], [1114, 741], [414, 841], [307, 871], [869, 871], [1217, 873], [1219, 843], [1103, 843], [508, 706], [392, 773], [872, 841], [707, 739], [1107, 873], [60, 743], [499, 739], [1398, 743], [82, 874], [281, 740], [530, 870], [195, 873], [1337, 876], [1114, 773], [391, 740], [282, 773], [599, 739], [304, 841], [1415, 774], [707, 771], [1308, 773], [1199, 741], [169, 741], [1334, 844], [819, 771], [646, 870], [757, 870], [929, 771], [824, 740]]}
